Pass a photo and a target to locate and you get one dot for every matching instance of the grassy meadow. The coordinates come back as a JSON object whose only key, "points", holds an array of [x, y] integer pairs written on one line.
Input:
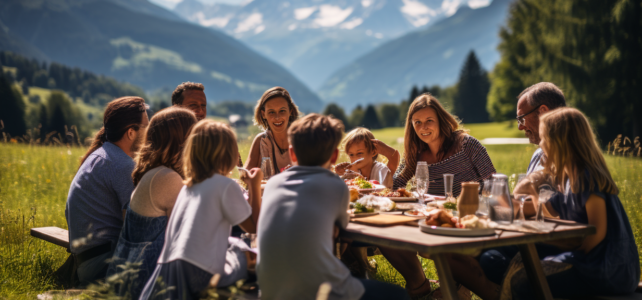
{"points": [[34, 182]]}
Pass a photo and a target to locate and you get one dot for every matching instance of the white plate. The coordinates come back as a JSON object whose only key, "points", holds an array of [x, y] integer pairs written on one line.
{"points": [[455, 231], [422, 216], [376, 188], [402, 199]]}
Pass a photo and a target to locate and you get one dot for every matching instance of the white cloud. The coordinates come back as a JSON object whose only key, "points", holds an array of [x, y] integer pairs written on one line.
{"points": [[218, 22], [417, 13], [304, 13], [249, 23], [330, 15], [379, 35], [450, 7], [292, 27], [259, 28], [352, 23], [366, 3], [475, 4]]}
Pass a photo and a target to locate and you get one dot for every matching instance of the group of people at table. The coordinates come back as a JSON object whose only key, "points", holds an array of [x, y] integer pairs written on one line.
{"points": [[155, 194]]}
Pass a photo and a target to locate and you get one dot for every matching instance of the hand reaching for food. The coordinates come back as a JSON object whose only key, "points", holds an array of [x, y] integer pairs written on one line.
{"points": [[340, 169]]}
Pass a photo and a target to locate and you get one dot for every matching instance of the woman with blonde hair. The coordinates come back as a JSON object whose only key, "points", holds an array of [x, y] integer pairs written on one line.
{"points": [[274, 113], [605, 263], [197, 242], [158, 178], [434, 136]]}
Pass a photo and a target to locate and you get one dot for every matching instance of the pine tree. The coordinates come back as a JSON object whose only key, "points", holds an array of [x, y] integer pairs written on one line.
{"points": [[370, 118], [356, 118], [43, 122], [12, 108], [337, 112], [61, 112], [472, 92], [414, 93], [389, 115]]}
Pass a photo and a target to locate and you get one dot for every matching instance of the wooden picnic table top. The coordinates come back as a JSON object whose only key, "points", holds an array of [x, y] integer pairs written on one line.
{"points": [[411, 238]]}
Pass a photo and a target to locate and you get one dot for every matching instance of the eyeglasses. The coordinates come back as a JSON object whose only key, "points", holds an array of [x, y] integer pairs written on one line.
{"points": [[520, 119]]}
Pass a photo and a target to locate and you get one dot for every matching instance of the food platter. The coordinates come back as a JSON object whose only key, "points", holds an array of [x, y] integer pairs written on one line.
{"points": [[449, 231], [405, 206], [375, 188], [415, 214]]}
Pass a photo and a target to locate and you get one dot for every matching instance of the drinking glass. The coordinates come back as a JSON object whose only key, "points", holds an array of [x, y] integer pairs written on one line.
{"points": [[482, 211], [522, 198], [544, 194], [500, 204], [266, 168], [448, 187], [421, 178]]}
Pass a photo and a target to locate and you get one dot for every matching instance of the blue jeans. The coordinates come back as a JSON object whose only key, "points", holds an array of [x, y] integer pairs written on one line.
{"points": [[377, 290]]}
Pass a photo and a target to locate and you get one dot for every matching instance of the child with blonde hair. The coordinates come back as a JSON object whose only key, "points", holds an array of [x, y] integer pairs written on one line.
{"points": [[197, 244], [360, 143]]}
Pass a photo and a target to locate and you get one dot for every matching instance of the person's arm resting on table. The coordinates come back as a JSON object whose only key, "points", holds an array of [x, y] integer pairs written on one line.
{"points": [[253, 181]]}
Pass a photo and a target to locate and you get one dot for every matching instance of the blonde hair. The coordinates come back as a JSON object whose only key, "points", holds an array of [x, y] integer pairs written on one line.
{"points": [[210, 148], [449, 128], [357, 135], [570, 145], [275, 92]]}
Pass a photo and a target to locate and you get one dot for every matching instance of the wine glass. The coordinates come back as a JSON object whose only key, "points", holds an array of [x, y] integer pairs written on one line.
{"points": [[421, 178], [545, 193]]}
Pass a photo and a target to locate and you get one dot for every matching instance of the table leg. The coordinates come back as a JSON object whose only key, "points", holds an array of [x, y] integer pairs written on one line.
{"points": [[535, 272], [446, 280]]}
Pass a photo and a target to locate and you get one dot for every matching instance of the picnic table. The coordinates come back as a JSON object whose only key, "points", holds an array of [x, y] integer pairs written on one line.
{"points": [[437, 246]]}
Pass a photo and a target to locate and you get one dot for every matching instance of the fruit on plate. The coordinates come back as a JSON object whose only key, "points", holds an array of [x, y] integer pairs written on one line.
{"points": [[374, 181], [359, 183]]}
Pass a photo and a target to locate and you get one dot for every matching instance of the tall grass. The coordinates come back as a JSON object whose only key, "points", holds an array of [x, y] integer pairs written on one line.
{"points": [[34, 182]]}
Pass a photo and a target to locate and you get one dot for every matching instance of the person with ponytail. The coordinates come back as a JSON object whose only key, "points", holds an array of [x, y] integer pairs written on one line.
{"points": [[102, 187]]}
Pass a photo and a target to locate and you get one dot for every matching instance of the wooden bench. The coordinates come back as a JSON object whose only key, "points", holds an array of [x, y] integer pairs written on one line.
{"points": [[54, 235]]}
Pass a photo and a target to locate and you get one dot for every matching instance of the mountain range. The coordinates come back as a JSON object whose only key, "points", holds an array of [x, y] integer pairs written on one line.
{"points": [[425, 57], [143, 44], [314, 38]]}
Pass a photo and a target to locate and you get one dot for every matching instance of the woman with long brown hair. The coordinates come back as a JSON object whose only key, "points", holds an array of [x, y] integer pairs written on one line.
{"points": [[435, 136], [274, 113], [101, 189], [158, 177]]}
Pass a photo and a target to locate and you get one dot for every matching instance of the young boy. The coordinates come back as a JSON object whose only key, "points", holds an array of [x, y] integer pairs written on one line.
{"points": [[360, 143], [301, 210]]}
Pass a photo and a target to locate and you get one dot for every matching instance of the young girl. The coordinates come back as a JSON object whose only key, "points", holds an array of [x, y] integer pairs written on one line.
{"points": [[158, 177], [605, 263], [196, 241], [361, 143]]}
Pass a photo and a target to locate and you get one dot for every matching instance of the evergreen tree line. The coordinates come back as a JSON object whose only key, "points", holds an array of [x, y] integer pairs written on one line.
{"points": [[466, 99], [591, 49], [91, 88]]}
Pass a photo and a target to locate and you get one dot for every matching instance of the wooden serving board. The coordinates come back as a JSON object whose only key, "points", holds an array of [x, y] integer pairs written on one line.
{"points": [[384, 220]]}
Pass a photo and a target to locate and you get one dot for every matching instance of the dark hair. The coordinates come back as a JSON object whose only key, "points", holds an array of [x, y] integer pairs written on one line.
{"points": [[177, 95], [270, 94], [120, 115], [544, 93], [314, 138], [163, 141]]}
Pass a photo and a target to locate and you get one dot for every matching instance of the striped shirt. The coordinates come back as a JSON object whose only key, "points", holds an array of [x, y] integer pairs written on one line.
{"points": [[471, 163]]}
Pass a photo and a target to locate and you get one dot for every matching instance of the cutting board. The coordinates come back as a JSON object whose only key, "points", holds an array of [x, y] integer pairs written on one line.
{"points": [[384, 220]]}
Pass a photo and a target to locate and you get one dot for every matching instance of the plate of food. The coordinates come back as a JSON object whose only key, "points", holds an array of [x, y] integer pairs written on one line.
{"points": [[364, 186], [442, 223], [400, 195], [406, 206], [415, 213]]}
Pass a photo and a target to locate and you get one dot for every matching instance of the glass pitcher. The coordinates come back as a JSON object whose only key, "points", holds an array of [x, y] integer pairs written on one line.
{"points": [[500, 203]]}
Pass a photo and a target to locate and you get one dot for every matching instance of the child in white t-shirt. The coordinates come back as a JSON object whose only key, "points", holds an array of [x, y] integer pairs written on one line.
{"points": [[196, 240], [361, 143]]}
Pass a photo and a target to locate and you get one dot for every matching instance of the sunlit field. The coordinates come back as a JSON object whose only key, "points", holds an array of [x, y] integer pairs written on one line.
{"points": [[34, 182]]}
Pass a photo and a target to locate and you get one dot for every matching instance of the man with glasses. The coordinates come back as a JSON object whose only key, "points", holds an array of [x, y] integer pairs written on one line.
{"points": [[533, 102], [190, 95]]}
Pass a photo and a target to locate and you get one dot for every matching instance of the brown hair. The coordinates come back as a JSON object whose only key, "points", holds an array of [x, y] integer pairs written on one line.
{"points": [[163, 142], [357, 135], [270, 94], [314, 138], [449, 128], [120, 115], [177, 95], [544, 93], [210, 148], [570, 144]]}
